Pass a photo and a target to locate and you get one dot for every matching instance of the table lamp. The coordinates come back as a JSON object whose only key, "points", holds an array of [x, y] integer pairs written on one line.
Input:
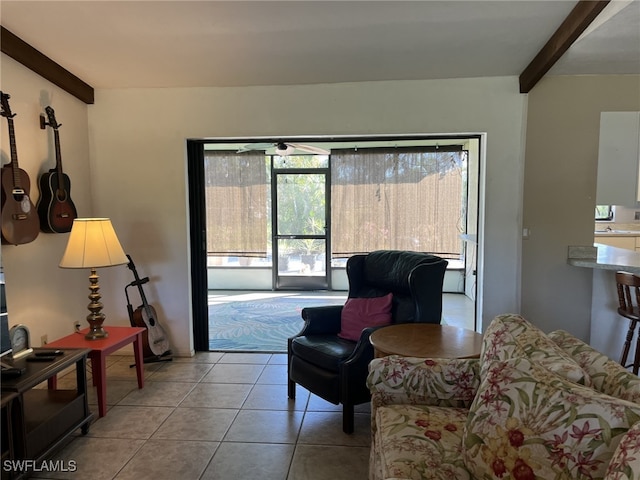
{"points": [[93, 243]]}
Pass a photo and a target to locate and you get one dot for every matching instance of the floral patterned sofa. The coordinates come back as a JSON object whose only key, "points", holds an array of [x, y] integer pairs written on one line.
{"points": [[534, 406]]}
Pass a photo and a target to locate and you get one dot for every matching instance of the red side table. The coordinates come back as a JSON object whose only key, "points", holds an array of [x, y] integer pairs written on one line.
{"points": [[118, 338]]}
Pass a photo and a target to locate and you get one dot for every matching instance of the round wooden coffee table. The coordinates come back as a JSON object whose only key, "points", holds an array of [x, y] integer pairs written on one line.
{"points": [[426, 340]]}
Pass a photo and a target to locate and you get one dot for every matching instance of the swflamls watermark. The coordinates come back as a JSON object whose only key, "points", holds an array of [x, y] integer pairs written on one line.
{"points": [[42, 466]]}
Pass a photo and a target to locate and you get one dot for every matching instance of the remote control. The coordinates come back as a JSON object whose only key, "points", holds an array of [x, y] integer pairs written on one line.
{"points": [[12, 372], [49, 358], [49, 353]]}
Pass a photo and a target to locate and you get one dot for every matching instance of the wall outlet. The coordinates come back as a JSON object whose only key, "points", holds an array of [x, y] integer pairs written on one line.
{"points": [[44, 340], [637, 216]]}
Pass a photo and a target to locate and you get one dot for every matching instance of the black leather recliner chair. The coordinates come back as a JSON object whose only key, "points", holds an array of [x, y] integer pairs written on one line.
{"points": [[336, 369]]}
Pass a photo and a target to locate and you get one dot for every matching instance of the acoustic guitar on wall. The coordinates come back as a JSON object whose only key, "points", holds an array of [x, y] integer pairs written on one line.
{"points": [[55, 207], [20, 222]]}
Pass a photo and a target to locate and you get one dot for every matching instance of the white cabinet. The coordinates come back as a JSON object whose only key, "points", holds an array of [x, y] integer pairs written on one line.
{"points": [[628, 243], [618, 159]]}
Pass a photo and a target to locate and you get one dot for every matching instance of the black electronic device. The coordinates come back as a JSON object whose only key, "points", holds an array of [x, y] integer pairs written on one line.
{"points": [[11, 372], [48, 353], [38, 358], [6, 359]]}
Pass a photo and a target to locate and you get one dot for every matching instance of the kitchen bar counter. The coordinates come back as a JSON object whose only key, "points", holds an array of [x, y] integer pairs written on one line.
{"points": [[608, 329], [604, 257], [616, 233]]}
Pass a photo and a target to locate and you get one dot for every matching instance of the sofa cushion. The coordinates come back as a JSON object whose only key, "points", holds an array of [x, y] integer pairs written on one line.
{"points": [[625, 463], [607, 376], [360, 313], [419, 442], [511, 336], [527, 422], [445, 382]]}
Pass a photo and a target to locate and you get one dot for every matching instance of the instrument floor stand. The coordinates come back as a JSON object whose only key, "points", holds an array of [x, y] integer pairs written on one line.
{"points": [[166, 356]]}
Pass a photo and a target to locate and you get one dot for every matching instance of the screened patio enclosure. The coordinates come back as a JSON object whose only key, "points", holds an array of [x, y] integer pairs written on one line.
{"points": [[277, 223]]}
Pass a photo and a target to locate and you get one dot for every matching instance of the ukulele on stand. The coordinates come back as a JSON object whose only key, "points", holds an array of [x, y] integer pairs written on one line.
{"points": [[155, 343], [55, 207], [19, 218]]}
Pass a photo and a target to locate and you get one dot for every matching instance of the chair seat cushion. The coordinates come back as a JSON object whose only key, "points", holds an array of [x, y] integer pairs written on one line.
{"points": [[420, 442], [324, 351]]}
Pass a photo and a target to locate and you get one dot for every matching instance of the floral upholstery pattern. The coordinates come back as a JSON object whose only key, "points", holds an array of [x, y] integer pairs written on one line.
{"points": [[606, 375], [427, 381], [517, 413], [421, 442], [509, 336], [527, 423], [626, 458], [410, 386]]}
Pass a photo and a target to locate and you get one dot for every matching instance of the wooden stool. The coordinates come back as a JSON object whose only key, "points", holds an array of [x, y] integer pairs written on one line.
{"points": [[628, 283]]}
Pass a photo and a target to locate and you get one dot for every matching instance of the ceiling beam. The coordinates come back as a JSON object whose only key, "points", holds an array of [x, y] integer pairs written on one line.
{"points": [[31, 58], [568, 32]]}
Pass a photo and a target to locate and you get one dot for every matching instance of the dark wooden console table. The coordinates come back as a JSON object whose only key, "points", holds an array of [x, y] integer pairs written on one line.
{"points": [[38, 420]]}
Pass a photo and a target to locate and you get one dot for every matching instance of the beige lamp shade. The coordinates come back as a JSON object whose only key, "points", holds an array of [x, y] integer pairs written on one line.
{"points": [[92, 244]]}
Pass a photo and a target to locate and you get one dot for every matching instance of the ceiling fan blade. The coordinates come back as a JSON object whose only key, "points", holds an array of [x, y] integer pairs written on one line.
{"points": [[309, 148], [255, 146], [283, 149]]}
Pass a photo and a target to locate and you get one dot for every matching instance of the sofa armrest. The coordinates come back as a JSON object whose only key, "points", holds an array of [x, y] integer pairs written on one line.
{"points": [[321, 320], [444, 382]]}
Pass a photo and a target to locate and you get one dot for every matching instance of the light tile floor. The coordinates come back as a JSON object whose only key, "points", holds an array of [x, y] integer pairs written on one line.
{"points": [[222, 416]]}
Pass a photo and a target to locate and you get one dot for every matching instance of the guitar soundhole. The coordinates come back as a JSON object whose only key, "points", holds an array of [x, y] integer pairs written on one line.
{"points": [[152, 322]]}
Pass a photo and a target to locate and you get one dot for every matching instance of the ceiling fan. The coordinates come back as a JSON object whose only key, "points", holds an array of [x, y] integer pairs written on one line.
{"points": [[283, 149]]}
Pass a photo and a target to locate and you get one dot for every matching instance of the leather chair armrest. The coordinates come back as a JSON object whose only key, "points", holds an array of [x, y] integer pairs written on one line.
{"points": [[321, 320], [363, 353], [357, 367]]}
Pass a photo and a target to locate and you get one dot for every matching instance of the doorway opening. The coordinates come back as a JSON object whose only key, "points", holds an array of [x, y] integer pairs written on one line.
{"points": [[272, 222]]}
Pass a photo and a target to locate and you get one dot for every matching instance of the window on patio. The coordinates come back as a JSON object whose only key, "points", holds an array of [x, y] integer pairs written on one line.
{"points": [[237, 196], [398, 198]]}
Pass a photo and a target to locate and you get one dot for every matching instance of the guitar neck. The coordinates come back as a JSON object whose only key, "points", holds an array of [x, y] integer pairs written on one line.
{"points": [[14, 154], [138, 283], [56, 137], [143, 297]]}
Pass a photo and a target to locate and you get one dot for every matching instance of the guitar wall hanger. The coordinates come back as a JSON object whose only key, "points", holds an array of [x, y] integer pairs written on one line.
{"points": [[44, 123]]}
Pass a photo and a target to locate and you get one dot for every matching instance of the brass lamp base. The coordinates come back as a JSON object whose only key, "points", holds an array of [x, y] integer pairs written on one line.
{"points": [[96, 333], [96, 317]]}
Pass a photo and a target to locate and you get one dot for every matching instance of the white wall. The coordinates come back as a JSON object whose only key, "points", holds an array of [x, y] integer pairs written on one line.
{"points": [[560, 193], [128, 162], [138, 160], [44, 297]]}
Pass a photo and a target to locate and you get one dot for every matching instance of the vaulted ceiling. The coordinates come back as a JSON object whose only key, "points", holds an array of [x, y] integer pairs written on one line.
{"points": [[120, 44]]}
